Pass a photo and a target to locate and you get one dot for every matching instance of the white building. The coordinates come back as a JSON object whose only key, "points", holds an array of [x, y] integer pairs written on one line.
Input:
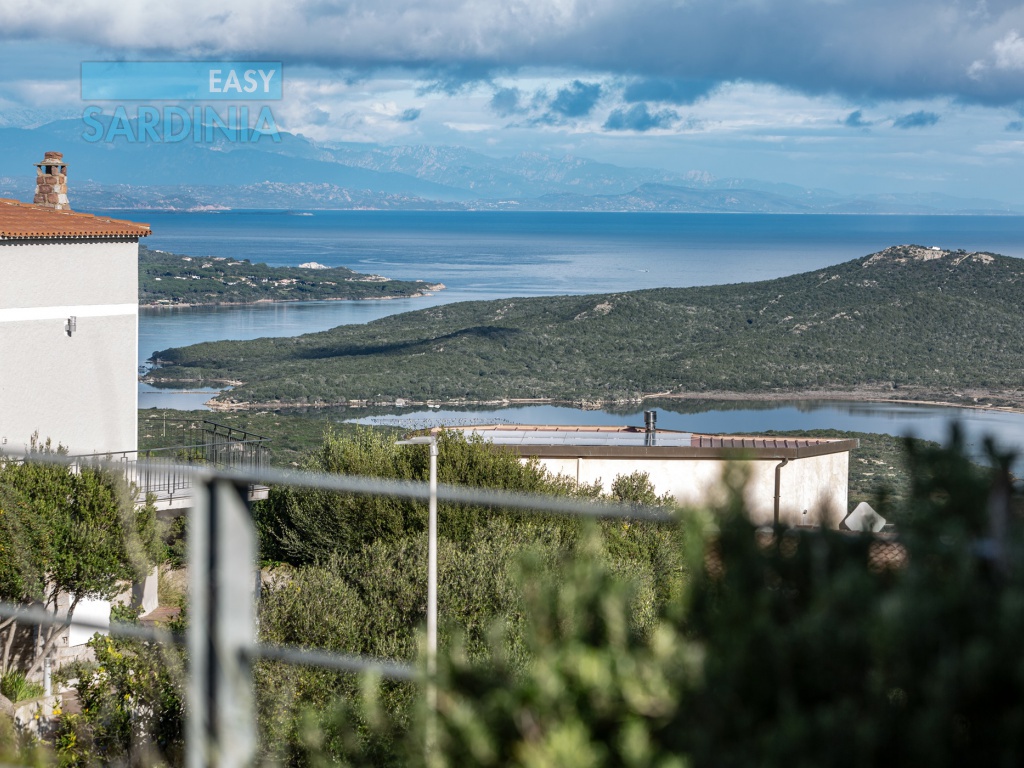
{"points": [[68, 322], [799, 481]]}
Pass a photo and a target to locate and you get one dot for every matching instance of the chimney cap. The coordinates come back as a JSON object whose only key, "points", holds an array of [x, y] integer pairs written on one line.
{"points": [[52, 183], [52, 158]]}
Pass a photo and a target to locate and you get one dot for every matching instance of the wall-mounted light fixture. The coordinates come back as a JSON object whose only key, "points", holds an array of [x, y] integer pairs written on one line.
{"points": [[71, 325]]}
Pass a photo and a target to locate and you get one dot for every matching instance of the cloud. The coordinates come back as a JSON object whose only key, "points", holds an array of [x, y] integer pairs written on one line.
{"points": [[1009, 52], [1016, 126], [875, 49], [856, 120], [919, 119], [317, 116], [453, 79], [1007, 55], [409, 115], [506, 102], [639, 118], [662, 89], [577, 99]]}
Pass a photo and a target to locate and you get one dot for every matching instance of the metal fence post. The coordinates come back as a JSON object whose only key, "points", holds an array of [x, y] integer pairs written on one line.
{"points": [[221, 726]]}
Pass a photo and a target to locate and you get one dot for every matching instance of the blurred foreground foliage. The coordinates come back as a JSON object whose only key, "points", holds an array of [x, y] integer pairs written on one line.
{"points": [[699, 642], [785, 647]]}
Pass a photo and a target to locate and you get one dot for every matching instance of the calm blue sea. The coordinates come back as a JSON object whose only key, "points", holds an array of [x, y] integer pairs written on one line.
{"points": [[486, 255], [530, 254]]}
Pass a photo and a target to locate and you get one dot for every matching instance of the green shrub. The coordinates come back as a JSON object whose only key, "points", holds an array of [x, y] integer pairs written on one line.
{"points": [[15, 687], [132, 700], [786, 647], [704, 642]]}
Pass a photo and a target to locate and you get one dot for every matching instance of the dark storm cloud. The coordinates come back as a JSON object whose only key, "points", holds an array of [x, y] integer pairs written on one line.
{"points": [[968, 49], [576, 99], [639, 118], [919, 119]]}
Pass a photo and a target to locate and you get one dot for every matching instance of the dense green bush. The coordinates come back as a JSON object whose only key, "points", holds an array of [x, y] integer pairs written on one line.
{"points": [[79, 533], [303, 526], [358, 578], [132, 704], [16, 687], [785, 647], [703, 642]]}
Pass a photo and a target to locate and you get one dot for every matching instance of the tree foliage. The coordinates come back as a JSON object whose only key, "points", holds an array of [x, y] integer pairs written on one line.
{"points": [[167, 279], [132, 700], [357, 576], [701, 642], [302, 526], [785, 647], [63, 532]]}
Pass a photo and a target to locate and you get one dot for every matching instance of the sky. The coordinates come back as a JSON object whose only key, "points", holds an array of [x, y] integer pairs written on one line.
{"points": [[855, 96]]}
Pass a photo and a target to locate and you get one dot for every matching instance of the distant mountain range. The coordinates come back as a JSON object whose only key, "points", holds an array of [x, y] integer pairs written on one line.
{"points": [[297, 173]]}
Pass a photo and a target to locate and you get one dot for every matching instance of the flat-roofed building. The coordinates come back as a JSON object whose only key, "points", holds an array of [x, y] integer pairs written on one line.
{"points": [[796, 480], [69, 315]]}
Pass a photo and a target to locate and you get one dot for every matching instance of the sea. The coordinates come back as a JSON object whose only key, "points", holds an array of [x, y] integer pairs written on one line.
{"points": [[493, 255]]}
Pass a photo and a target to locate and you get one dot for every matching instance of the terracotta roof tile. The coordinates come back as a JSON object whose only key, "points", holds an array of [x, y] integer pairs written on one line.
{"points": [[25, 221]]}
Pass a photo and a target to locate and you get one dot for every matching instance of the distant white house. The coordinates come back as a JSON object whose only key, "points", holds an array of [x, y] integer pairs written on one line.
{"points": [[798, 481], [68, 322]]}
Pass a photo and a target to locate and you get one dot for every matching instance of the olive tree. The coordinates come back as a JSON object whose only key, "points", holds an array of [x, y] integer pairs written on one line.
{"points": [[80, 534]]}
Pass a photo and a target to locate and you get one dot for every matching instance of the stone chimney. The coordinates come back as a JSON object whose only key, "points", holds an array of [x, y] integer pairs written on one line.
{"points": [[52, 182]]}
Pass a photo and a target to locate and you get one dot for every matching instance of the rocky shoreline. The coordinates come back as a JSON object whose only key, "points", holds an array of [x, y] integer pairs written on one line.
{"points": [[164, 304]]}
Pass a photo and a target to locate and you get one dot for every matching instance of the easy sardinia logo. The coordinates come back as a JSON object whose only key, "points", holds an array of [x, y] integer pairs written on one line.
{"points": [[175, 83]]}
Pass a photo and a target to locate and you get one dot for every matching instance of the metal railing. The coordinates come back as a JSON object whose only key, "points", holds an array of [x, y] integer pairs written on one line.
{"points": [[221, 639], [166, 472]]}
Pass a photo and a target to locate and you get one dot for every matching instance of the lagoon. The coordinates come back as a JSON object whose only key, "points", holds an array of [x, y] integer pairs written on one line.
{"points": [[931, 422]]}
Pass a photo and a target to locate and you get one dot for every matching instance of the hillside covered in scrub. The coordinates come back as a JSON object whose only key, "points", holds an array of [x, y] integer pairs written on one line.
{"points": [[906, 322], [172, 280]]}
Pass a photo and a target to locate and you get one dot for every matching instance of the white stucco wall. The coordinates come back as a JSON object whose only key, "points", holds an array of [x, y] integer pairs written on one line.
{"points": [[813, 490], [91, 610], [78, 390], [46, 274]]}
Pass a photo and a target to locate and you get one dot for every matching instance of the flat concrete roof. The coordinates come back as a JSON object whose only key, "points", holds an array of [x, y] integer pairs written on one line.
{"points": [[634, 442]]}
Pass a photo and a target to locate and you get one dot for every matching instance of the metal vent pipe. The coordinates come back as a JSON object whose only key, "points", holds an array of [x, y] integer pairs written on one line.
{"points": [[651, 426]]}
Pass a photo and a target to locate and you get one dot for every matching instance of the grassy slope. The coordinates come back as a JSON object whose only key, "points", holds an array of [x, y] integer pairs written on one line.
{"points": [[906, 319]]}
